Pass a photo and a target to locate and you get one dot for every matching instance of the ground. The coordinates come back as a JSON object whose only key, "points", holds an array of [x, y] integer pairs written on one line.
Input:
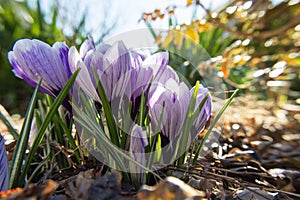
{"points": [[253, 153]]}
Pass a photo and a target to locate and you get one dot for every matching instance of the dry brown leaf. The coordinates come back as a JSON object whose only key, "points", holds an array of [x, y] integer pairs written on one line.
{"points": [[41, 192], [171, 189]]}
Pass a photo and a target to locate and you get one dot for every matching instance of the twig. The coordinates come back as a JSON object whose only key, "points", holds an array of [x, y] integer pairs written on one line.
{"points": [[265, 175], [240, 182]]}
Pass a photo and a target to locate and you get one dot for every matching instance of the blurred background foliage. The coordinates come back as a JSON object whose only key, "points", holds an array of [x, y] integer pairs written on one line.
{"points": [[253, 45]]}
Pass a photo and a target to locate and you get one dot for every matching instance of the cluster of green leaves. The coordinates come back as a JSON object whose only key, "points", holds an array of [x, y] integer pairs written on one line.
{"points": [[257, 43], [53, 134], [108, 138], [104, 137]]}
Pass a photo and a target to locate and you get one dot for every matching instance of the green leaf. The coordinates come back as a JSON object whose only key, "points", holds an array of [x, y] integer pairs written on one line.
{"points": [[97, 139], [220, 113], [57, 102], [71, 139], [111, 124], [155, 141], [142, 110], [182, 142], [22, 143], [113, 153], [9, 126]]}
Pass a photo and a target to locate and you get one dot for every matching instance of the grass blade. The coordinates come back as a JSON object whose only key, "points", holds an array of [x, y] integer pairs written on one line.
{"points": [[181, 144], [22, 143], [71, 140], [97, 136], [111, 124], [118, 155], [9, 126], [52, 111], [220, 113]]}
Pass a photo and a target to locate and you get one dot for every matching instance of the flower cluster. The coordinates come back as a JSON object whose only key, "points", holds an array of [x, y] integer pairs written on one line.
{"points": [[122, 73]]}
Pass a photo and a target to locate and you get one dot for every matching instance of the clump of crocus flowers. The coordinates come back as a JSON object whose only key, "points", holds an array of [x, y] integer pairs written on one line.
{"points": [[153, 110]]}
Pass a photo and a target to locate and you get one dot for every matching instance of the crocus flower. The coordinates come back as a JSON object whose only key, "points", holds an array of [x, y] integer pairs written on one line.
{"points": [[34, 59], [111, 63], [204, 114], [120, 70], [158, 63], [175, 97], [148, 70], [3, 166], [141, 76], [138, 141]]}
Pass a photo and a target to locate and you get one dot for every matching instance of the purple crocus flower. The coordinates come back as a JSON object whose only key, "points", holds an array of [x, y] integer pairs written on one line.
{"points": [[162, 72], [3, 166], [33, 59], [152, 69], [138, 141], [121, 71], [204, 114], [146, 70], [175, 97], [141, 76], [158, 63], [111, 63]]}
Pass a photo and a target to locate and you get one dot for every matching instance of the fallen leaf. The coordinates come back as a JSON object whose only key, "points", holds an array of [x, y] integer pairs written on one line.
{"points": [[170, 189]]}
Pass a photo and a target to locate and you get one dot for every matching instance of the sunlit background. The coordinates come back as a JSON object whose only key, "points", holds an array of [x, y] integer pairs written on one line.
{"points": [[244, 38], [119, 15]]}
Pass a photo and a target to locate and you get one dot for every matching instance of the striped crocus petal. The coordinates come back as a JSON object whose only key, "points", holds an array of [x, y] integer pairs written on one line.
{"points": [[34, 59], [111, 63], [158, 62], [138, 141], [3, 166], [204, 114], [115, 74], [86, 46], [175, 97], [83, 78], [139, 81]]}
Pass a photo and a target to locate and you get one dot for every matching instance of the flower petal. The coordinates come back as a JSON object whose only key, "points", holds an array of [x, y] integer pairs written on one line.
{"points": [[34, 59], [83, 78], [64, 72], [140, 80], [116, 66], [175, 96], [86, 46], [3, 166], [138, 141], [157, 62], [205, 112], [18, 72]]}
